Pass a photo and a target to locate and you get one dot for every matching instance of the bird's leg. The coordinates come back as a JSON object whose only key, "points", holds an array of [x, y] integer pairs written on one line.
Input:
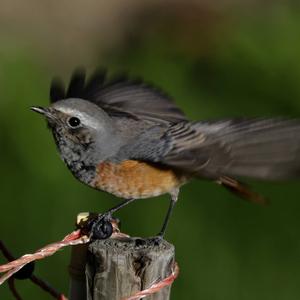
{"points": [[174, 197], [101, 227]]}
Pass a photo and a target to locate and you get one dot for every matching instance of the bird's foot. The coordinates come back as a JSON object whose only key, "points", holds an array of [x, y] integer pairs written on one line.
{"points": [[101, 227]]}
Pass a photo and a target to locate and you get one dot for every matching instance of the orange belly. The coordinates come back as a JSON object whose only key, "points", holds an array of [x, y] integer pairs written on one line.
{"points": [[134, 179]]}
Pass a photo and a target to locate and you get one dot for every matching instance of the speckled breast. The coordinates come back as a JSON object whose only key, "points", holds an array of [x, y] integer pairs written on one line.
{"points": [[134, 179]]}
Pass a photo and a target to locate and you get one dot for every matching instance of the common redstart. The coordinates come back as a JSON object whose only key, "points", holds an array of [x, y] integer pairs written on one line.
{"points": [[129, 139]]}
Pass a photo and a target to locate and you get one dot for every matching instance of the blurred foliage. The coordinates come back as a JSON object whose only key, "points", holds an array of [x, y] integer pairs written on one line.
{"points": [[227, 249]]}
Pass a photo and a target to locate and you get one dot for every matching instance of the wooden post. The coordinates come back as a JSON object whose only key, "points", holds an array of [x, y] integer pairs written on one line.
{"points": [[77, 289], [118, 268]]}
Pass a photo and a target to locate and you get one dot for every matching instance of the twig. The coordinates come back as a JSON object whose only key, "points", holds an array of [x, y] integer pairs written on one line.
{"points": [[12, 287]]}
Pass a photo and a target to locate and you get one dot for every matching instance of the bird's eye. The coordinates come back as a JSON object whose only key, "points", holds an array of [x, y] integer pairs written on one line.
{"points": [[74, 122]]}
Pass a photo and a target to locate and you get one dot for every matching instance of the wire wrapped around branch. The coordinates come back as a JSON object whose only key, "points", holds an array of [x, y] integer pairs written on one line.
{"points": [[14, 266], [77, 237]]}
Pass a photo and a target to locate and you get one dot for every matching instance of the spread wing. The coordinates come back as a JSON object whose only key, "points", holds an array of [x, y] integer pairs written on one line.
{"points": [[119, 96], [259, 148]]}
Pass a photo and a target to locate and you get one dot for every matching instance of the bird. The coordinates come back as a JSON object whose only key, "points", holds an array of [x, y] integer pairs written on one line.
{"points": [[128, 138]]}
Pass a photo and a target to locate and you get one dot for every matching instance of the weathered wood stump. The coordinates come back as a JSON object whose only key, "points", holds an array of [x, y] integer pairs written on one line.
{"points": [[118, 268]]}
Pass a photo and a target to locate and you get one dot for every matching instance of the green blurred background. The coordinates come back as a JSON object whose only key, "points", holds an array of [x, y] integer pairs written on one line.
{"points": [[217, 59]]}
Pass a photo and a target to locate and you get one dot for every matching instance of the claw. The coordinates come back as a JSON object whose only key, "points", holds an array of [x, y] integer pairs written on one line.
{"points": [[101, 227]]}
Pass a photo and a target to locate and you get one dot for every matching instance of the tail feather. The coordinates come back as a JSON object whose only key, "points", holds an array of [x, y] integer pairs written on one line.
{"points": [[242, 190]]}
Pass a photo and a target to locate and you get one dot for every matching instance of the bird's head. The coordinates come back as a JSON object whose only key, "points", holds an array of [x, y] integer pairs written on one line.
{"points": [[81, 129]]}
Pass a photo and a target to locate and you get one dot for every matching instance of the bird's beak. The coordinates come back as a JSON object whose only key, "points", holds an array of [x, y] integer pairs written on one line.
{"points": [[43, 111], [39, 109]]}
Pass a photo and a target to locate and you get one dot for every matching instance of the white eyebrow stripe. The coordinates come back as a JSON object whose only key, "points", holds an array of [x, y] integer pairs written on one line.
{"points": [[85, 119]]}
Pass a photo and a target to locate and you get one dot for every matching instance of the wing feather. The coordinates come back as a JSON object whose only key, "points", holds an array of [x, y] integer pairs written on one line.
{"points": [[120, 95], [259, 148]]}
